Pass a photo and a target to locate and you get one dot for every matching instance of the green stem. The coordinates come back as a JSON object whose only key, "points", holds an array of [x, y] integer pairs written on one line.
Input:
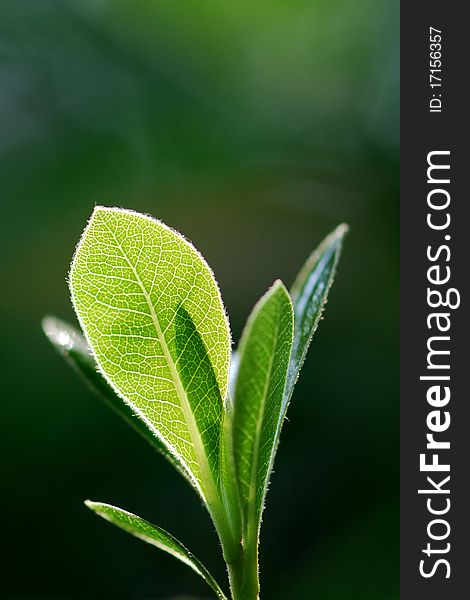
{"points": [[243, 573], [241, 552]]}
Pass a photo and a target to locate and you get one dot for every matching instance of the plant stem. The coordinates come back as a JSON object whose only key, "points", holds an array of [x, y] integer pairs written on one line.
{"points": [[243, 573], [240, 549]]}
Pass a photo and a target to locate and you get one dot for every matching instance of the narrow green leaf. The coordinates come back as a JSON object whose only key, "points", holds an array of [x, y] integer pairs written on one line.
{"points": [[153, 317], [264, 352], [156, 536], [72, 345], [228, 481], [309, 295]]}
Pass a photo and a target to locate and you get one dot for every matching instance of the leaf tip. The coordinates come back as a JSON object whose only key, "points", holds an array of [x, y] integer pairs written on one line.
{"points": [[49, 325], [62, 336], [278, 285], [336, 237], [341, 230], [94, 506], [280, 290], [101, 208], [56, 333]]}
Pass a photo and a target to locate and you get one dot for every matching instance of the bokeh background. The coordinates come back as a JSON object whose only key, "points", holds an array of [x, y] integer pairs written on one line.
{"points": [[253, 127]]}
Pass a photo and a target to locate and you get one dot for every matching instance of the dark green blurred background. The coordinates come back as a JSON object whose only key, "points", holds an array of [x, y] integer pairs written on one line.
{"points": [[254, 128]]}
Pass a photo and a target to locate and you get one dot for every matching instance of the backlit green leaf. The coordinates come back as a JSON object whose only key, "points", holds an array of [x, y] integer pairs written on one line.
{"points": [[264, 353], [309, 294], [153, 317], [228, 477], [71, 344], [156, 536]]}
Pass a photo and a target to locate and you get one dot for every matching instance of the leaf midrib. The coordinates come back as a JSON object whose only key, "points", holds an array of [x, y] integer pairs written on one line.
{"points": [[209, 490]]}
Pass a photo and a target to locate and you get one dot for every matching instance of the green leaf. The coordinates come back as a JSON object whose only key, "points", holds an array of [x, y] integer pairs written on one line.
{"points": [[153, 317], [264, 352], [156, 536], [309, 294], [71, 344], [229, 483]]}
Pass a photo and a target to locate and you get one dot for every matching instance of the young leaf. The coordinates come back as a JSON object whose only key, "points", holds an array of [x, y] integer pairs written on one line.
{"points": [[156, 536], [228, 481], [71, 344], [264, 352], [309, 294], [152, 314]]}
